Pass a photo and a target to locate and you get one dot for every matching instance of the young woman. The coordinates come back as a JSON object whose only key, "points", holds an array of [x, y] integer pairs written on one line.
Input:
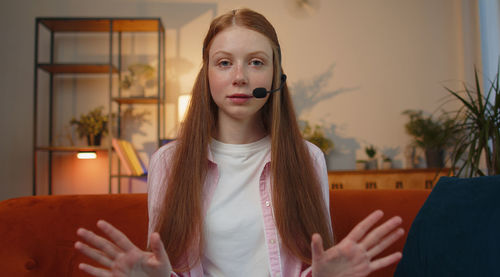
{"points": [[240, 193]]}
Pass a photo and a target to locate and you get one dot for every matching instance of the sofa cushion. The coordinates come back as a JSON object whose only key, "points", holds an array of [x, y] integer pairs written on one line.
{"points": [[37, 234], [456, 233]]}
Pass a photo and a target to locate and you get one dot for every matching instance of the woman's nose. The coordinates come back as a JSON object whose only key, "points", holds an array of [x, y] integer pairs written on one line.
{"points": [[240, 76]]}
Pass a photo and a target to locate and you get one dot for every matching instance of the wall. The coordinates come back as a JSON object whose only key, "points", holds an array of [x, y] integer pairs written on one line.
{"points": [[490, 36], [353, 66]]}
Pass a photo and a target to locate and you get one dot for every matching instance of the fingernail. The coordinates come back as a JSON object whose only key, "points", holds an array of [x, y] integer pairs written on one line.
{"points": [[101, 223]]}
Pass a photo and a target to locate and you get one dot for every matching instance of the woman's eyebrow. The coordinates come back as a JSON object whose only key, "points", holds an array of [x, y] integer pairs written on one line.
{"points": [[259, 53], [225, 53], [221, 52]]}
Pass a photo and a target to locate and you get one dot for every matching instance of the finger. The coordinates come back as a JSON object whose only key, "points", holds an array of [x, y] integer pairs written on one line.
{"points": [[99, 242], [94, 271], [316, 246], [385, 261], [116, 235], [381, 231], [97, 256], [390, 239], [158, 249], [361, 228]]}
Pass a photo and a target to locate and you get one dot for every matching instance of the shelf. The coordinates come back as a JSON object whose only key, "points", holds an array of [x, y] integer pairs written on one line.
{"points": [[387, 171], [136, 100], [129, 176], [70, 148], [101, 25], [77, 68], [417, 178], [105, 71]]}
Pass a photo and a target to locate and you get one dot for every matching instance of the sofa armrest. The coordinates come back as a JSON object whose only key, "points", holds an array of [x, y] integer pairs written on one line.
{"points": [[37, 233]]}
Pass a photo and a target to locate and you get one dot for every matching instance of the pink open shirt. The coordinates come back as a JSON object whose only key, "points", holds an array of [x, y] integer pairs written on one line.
{"points": [[281, 263]]}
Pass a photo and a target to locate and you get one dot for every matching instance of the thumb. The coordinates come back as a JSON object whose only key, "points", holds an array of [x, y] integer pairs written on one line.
{"points": [[316, 246], [159, 249]]}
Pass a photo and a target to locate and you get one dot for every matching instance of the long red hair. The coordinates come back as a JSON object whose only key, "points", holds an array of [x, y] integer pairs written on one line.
{"points": [[299, 207]]}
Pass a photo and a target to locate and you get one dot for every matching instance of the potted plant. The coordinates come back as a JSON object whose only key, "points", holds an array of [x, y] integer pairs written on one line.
{"points": [[317, 137], [386, 162], [361, 164], [478, 121], [138, 77], [372, 162], [93, 126], [433, 135]]}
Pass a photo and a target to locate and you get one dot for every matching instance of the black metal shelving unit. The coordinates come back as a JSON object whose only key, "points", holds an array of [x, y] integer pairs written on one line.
{"points": [[113, 26]]}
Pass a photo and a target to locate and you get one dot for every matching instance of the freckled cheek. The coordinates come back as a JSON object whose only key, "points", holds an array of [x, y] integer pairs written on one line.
{"points": [[216, 82], [264, 80]]}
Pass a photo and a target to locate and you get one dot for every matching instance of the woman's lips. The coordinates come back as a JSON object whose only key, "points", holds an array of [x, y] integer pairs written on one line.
{"points": [[239, 98]]}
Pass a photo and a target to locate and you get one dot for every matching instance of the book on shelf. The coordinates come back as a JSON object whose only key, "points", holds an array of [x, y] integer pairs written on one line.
{"points": [[129, 157], [120, 151], [135, 160]]}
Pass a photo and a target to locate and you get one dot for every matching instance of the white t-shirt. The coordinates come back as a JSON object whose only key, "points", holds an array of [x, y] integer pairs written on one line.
{"points": [[234, 226]]}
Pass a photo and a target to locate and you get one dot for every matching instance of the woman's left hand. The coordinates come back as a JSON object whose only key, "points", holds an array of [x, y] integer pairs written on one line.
{"points": [[353, 256]]}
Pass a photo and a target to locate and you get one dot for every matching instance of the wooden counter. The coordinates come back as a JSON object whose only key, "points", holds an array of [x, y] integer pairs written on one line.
{"points": [[386, 179]]}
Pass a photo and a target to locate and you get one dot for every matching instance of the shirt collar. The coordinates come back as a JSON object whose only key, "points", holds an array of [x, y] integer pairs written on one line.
{"points": [[211, 157]]}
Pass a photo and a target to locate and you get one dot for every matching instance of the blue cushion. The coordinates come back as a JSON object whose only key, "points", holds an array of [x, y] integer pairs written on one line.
{"points": [[457, 231]]}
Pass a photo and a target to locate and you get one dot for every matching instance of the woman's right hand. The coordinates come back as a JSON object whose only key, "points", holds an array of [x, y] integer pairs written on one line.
{"points": [[120, 256]]}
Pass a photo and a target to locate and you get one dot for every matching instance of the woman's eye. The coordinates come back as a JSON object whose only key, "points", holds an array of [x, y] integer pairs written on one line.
{"points": [[224, 63], [256, 62]]}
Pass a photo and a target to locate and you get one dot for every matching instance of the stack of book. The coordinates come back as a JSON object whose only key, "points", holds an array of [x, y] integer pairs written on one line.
{"points": [[131, 162]]}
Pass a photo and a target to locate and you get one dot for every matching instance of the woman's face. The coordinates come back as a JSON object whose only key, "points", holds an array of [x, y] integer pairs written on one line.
{"points": [[240, 60]]}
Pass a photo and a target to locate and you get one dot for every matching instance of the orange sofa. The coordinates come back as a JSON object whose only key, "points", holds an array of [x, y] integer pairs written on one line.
{"points": [[37, 233]]}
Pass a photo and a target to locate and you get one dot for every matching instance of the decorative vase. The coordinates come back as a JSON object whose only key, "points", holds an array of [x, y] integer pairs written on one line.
{"points": [[360, 165], [94, 140], [434, 157], [386, 165], [372, 164]]}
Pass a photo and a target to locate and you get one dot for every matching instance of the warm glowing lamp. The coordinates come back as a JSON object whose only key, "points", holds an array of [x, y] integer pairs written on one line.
{"points": [[183, 103], [86, 155]]}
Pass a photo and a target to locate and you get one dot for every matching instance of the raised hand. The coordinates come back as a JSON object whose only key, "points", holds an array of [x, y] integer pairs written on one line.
{"points": [[353, 256], [120, 257]]}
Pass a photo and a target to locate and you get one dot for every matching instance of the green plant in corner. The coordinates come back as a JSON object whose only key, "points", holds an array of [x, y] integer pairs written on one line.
{"points": [[92, 125], [317, 137], [433, 135], [479, 125]]}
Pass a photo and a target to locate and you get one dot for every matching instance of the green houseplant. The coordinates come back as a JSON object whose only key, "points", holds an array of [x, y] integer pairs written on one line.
{"points": [[92, 125], [361, 164], [433, 135], [317, 137], [372, 162], [479, 123], [386, 162], [138, 77]]}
